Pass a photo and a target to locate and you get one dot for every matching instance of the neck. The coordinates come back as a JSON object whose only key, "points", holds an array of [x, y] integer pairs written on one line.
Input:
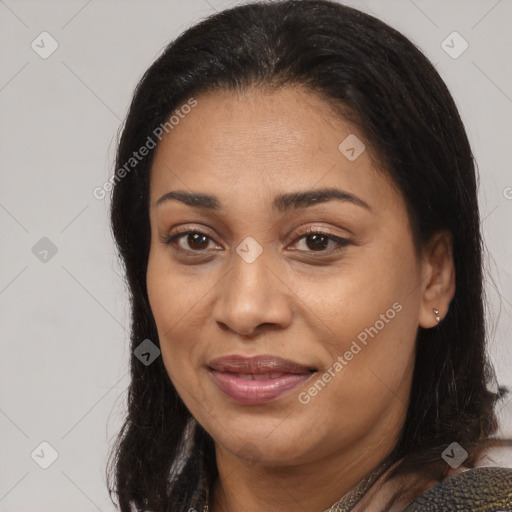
{"points": [[314, 485]]}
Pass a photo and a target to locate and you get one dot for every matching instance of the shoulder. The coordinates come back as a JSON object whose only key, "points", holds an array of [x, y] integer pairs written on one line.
{"points": [[481, 489]]}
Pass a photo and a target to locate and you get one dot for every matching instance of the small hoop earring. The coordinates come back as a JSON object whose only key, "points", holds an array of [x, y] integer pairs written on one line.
{"points": [[436, 313]]}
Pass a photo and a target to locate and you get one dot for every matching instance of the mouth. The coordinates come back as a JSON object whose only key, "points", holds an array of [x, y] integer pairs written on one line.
{"points": [[258, 380]]}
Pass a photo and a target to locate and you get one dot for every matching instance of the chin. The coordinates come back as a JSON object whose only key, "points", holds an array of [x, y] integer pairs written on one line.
{"points": [[263, 445]]}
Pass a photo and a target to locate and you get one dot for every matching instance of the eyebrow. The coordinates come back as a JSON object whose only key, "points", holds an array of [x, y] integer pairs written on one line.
{"points": [[282, 203]]}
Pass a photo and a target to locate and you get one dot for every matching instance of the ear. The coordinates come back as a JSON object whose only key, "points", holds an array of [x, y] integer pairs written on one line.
{"points": [[438, 278]]}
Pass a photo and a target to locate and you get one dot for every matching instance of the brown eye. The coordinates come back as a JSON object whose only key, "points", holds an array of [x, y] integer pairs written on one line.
{"points": [[317, 241], [197, 241], [189, 240]]}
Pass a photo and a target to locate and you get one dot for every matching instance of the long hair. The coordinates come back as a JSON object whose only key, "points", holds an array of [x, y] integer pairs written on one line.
{"points": [[380, 81]]}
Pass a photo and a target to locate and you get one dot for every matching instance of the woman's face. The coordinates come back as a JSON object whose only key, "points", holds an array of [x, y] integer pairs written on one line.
{"points": [[342, 307]]}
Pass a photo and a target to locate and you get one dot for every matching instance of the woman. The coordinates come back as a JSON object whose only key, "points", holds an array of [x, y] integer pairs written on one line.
{"points": [[295, 205]]}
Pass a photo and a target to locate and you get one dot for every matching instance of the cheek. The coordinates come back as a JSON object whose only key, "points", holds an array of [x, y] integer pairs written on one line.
{"points": [[172, 299], [174, 295], [180, 300], [370, 307], [372, 354]]}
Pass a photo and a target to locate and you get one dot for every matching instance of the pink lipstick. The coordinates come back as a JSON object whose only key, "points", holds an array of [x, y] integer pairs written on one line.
{"points": [[258, 379]]}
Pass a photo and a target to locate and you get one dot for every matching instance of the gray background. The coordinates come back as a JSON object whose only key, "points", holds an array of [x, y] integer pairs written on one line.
{"points": [[64, 320]]}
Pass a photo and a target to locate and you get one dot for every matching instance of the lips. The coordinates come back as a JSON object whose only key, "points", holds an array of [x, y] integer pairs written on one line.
{"points": [[258, 365], [257, 380]]}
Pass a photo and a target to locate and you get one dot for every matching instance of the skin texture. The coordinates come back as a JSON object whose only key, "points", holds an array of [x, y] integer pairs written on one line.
{"points": [[293, 301]]}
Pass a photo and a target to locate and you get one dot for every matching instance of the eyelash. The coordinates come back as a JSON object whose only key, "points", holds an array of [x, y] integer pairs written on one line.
{"points": [[342, 242]]}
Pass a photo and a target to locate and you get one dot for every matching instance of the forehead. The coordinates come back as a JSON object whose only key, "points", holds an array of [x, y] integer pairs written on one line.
{"points": [[262, 141]]}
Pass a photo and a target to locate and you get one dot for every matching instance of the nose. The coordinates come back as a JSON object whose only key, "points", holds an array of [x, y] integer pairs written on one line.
{"points": [[253, 297]]}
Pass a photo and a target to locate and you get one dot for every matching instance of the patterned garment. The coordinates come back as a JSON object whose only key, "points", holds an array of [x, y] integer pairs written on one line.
{"points": [[483, 489]]}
